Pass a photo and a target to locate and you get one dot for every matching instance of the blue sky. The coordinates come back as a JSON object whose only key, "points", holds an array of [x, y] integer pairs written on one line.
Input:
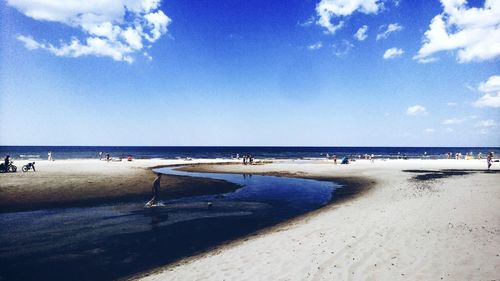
{"points": [[250, 73]]}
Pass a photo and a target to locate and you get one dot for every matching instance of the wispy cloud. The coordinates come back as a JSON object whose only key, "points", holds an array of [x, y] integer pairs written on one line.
{"points": [[485, 126], [416, 110], [391, 28], [361, 33], [339, 10], [315, 46], [452, 104], [343, 48], [392, 53], [453, 121], [486, 123], [473, 32], [429, 130], [116, 29]]}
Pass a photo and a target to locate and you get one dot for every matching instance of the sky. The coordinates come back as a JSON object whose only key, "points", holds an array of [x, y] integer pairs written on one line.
{"points": [[250, 73]]}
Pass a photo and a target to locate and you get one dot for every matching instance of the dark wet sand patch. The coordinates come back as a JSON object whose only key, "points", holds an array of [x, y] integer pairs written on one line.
{"points": [[429, 175]]}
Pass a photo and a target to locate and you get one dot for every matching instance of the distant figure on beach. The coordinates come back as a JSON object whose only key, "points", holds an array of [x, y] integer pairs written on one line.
{"points": [[100, 155], [6, 160], [156, 191], [335, 159], [372, 158], [129, 158], [108, 157], [479, 156], [449, 155], [244, 159], [489, 159], [250, 159], [50, 156]]}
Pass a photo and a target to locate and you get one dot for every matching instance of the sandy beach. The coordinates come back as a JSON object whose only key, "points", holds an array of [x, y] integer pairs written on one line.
{"points": [[413, 220], [78, 182], [409, 226]]}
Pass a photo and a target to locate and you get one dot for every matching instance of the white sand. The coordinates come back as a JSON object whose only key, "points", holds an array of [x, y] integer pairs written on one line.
{"points": [[448, 229]]}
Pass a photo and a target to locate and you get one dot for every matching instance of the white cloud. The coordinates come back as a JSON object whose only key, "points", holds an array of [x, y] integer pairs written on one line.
{"points": [[328, 10], [429, 130], [315, 46], [416, 110], [111, 28], [453, 121], [343, 48], [474, 33], [29, 42], [491, 91], [392, 53], [361, 33], [393, 27], [491, 85], [486, 123]]}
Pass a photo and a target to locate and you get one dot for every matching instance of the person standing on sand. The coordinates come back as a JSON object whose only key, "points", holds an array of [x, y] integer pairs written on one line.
{"points": [[489, 159], [335, 159], [50, 156], [6, 161], [156, 190]]}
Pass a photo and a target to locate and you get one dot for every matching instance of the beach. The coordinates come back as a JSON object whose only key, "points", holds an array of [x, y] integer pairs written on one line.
{"points": [[405, 227], [408, 219]]}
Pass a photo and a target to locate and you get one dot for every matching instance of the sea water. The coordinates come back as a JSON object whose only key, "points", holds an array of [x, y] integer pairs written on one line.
{"points": [[173, 152]]}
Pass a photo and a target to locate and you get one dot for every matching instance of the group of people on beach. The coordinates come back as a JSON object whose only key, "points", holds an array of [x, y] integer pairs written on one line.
{"points": [[107, 157], [468, 156], [247, 160]]}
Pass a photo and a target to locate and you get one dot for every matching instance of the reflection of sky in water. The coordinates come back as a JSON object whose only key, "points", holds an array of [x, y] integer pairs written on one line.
{"points": [[297, 193]]}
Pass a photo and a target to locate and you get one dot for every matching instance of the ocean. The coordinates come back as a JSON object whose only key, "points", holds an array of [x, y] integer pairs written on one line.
{"points": [[226, 152]]}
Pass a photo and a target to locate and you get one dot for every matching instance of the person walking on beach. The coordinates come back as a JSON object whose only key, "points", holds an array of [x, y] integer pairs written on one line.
{"points": [[489, 159], [50, 156], [156, 191], [335, 159]]}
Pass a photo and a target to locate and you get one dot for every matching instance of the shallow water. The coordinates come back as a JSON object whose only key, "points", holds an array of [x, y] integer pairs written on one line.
{"points": [[116, 240]]}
